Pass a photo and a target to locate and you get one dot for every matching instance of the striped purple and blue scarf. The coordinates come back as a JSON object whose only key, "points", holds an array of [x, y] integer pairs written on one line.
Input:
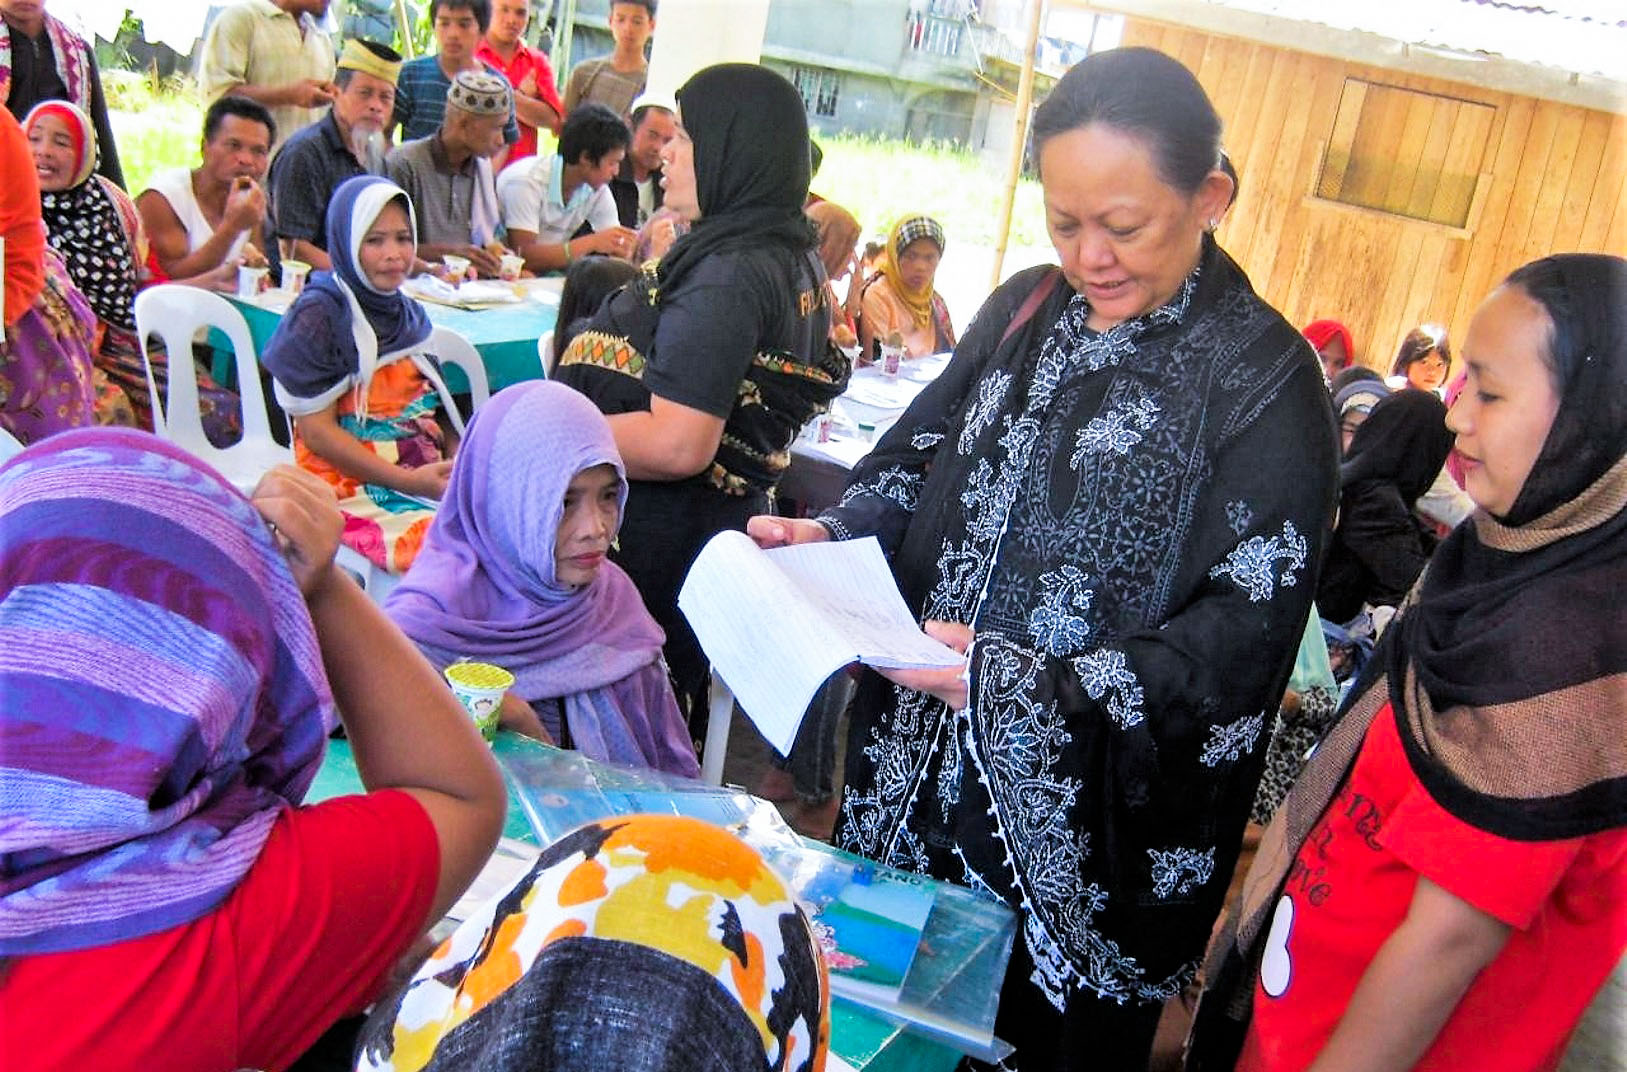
{"points": [[162, 696]]}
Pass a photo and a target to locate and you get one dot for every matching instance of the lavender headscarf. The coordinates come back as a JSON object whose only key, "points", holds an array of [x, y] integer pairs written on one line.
{"points": [[483, 585], [162, 697]]}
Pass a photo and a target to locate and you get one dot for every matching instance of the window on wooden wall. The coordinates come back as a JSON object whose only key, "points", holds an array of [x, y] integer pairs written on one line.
{"points": [[1405, 152]]}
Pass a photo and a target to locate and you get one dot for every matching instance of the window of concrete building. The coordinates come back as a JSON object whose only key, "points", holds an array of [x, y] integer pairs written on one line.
{"points": [[1405, 152], [820, 89]]}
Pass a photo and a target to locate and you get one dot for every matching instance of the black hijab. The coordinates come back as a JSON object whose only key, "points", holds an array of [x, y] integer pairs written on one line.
{"points": [[1585, 295], [750, 132], [1513, 611], [1404, 442], [1507, 670]]}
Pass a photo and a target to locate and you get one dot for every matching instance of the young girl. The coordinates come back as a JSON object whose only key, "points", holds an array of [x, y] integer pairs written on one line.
{"points": [[1423, 360], [172, 657], [352, 372], [514, 573], [1446, 886]]}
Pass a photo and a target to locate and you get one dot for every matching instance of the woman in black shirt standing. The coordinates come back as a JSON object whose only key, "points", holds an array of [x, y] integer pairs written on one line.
{"points": [[709, 363]]}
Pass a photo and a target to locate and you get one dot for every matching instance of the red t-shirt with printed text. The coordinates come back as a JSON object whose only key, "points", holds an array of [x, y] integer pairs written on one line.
{"points": [[338, 893], [1353, 881]]}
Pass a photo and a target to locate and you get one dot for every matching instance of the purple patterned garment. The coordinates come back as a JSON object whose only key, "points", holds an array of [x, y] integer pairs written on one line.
{"points": [[483, 586], [162, 696]]}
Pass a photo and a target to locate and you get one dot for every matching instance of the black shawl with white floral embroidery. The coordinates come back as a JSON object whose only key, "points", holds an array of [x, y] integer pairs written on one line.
{"points": [[1132, 523]]}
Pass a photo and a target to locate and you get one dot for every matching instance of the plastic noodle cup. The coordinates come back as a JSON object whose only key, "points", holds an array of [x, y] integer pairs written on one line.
{"points": [[293, 276], [250, 281], [508, 269], [479, 687], [457, 269]]}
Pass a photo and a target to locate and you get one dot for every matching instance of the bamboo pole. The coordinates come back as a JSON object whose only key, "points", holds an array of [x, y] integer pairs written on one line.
{"points": [[564, 31], [1019, 137], [405, 27]]}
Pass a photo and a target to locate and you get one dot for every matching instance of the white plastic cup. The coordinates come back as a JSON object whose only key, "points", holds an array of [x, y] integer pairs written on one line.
{"points": [[457, 269], [294, 274], [479, 687], [508, 269], [891, 358], [250, 281]]}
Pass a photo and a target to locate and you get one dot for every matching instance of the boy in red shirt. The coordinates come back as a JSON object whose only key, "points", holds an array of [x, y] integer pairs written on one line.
{"points": [[536, 98]]}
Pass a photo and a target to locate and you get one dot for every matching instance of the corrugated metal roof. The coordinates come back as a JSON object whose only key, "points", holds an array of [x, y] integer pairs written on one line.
{"points": [[1606, 11]]}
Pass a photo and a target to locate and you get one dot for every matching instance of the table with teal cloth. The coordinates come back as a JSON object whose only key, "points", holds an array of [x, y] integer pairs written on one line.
{"points": [[504, 335], [865, 1040]]}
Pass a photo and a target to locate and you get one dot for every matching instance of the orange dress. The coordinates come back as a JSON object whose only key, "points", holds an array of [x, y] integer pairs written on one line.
{"points": [[399, 426]]}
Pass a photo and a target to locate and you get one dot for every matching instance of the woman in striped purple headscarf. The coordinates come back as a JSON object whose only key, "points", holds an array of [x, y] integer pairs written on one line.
{"points": [[171, 659]]}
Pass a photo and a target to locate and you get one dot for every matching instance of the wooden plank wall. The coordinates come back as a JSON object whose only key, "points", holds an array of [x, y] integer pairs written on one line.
{"points": [[1555, 180]]}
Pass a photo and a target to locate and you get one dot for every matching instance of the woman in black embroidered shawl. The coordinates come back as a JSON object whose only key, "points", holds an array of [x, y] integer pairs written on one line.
{"points": [[711, 361], [1121, 487], [1470, 919]]}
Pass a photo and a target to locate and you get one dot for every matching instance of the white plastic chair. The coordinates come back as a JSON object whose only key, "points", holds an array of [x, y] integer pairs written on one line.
{"points": [[719, 714], [545, 352], [453, 349], [176, 314], [9, 445]]}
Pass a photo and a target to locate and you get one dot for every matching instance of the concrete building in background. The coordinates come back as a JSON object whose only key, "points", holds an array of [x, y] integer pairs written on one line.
{"points": [[944, 70]]}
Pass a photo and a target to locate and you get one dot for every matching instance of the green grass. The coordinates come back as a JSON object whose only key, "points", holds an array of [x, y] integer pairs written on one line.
{"points": [[876, 179], [155, 130], [880, 180]]}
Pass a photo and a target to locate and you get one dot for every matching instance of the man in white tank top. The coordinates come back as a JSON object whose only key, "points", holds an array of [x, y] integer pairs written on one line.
{"points": [[200, 218]]}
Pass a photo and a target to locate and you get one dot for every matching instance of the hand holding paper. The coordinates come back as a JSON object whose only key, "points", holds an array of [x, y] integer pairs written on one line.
{"points": [[946, 683], [778, 623]]}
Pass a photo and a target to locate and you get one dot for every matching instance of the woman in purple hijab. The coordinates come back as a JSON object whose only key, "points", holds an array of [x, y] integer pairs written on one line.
{"points": [[514, 572]]}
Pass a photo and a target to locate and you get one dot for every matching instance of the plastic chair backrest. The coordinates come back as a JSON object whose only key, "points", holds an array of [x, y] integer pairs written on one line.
{"points": [[720, 713], [453, 349], [176, 314], [545, 352]]}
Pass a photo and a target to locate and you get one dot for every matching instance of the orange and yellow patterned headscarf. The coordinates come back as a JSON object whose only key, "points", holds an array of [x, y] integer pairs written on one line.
{"points": [[634, 943]]}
